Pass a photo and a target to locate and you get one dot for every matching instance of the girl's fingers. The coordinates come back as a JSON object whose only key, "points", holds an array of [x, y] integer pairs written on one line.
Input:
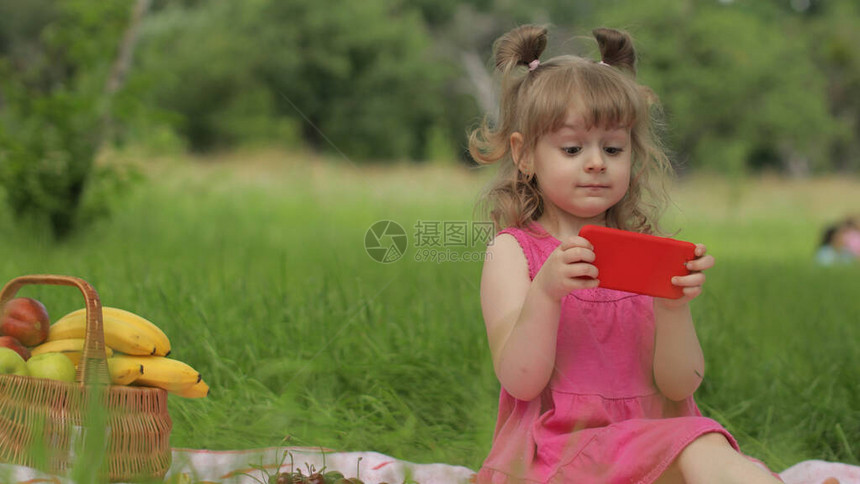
{"points": [[590, 283], [692, 292], [691, 284], [581, 276], [692, 280], [700, 264], [577, 254], [581, 271], [576, 241]]}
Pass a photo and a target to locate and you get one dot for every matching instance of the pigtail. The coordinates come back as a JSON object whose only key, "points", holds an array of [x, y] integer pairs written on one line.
{"points": [[616, 49], [519, 47]]}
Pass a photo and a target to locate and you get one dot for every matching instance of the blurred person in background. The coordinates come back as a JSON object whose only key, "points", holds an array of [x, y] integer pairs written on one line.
{"points": [[840, 243]]}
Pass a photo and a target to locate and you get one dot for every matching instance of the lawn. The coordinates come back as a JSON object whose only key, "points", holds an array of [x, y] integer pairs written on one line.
{"points": [[255, 265]]}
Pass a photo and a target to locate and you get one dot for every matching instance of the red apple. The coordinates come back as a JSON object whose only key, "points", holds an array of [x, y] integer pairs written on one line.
{"points": [[12, 343], [26, 319]]}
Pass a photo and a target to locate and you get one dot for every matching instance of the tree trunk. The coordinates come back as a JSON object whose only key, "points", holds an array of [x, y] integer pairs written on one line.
{"points": [[482, 83], [126, 48], [122, 64]]}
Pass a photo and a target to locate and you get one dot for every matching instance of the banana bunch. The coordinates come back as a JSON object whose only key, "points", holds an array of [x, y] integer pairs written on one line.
{"points": [[136, 351], [124, 331]]}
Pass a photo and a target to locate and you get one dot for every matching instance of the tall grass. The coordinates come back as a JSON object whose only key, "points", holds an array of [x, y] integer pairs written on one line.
{"points": [[255, 267]]}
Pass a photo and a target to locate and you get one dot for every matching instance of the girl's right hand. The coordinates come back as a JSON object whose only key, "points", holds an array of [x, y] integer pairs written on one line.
{"points": [[568, 267]]}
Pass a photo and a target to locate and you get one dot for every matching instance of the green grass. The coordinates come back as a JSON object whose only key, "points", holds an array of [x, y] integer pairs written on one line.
{"points": [[255, 266]]}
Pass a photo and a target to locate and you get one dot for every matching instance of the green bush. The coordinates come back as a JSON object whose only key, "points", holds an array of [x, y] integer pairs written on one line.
{"points": [[54, 111], [356, 79], [47, 150]]}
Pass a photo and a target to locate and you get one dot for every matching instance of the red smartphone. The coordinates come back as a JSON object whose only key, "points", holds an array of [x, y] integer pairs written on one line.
{"points": [[640, 263]]}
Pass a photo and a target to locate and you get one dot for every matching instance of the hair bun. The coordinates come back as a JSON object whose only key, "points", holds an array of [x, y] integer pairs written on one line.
{"points": [[616, 48], [520, 46]]}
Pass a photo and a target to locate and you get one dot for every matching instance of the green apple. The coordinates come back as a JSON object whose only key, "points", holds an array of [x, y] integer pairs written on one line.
{"points": [[55, 366], [12, 363]]}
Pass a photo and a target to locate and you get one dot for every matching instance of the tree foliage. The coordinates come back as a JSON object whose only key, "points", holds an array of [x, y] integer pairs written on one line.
{"points": [[52, 78], [352, 77], [835, 36], [740, 92], [746, 85]]}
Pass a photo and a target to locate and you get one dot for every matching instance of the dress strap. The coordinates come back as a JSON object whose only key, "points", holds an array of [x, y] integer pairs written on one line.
{"points": [[535, 246]]}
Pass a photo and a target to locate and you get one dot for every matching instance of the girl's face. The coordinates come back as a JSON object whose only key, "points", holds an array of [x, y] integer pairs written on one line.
{"points": [[583, 172]]}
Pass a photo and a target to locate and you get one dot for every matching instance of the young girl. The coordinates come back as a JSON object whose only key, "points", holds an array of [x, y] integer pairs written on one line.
{"points": [[597, 384]]}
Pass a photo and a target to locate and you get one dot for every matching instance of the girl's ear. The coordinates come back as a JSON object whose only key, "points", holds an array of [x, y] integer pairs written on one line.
{"points": [[520, 160]]}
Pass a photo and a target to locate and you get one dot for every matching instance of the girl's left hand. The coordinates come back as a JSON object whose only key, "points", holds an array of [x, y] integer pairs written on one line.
{"points": [[691, 284]]}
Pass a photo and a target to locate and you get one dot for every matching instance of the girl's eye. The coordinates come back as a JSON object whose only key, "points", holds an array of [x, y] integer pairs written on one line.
{"points": [[571, 150], [613, 151]]}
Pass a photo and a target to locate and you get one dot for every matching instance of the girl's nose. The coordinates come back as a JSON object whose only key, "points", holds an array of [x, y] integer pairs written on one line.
{"points": [[595, 164]]}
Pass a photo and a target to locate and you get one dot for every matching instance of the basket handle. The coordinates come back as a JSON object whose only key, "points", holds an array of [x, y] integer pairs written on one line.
{"points": [[93, 365]]}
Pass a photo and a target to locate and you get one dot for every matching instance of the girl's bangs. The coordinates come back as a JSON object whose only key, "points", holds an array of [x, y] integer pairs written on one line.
{"points": [[605, 102], [601, 98]]}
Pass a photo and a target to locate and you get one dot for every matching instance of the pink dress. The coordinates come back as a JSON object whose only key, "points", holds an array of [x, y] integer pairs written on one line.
{"points": [[601, 419]]}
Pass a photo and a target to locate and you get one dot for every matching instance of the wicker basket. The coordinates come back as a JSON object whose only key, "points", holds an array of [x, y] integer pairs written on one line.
{"points": [[37, 413]]}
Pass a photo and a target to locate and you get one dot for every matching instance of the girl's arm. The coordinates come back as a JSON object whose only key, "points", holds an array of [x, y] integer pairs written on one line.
{"points": [[522, 315], [679, 365]]}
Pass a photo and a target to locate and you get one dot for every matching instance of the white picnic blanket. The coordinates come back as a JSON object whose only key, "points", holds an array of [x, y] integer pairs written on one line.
{"points": [[191, 466]]}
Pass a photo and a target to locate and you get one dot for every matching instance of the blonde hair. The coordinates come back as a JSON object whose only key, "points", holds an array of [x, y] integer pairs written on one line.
{"points": [[535, 100]]}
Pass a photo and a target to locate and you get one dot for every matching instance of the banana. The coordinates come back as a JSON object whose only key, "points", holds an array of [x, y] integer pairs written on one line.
{"points": [[162, 343], [119, 335], [73, 348], [197, 390], [172, 375], [123, 370]]}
